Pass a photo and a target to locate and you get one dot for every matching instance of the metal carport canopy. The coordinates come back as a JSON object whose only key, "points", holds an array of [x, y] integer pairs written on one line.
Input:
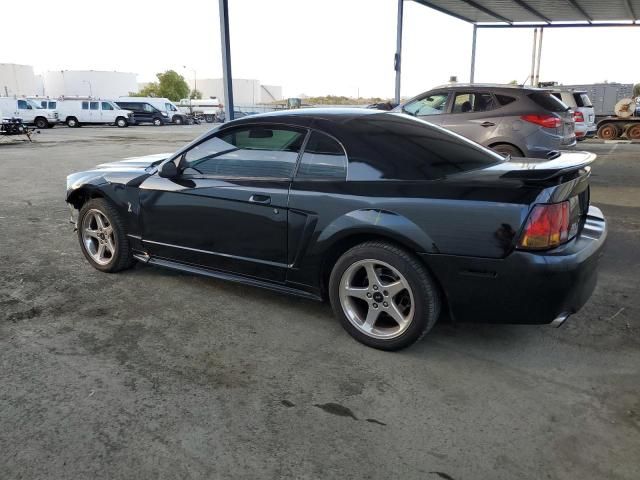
{"points": [[483, 14]]}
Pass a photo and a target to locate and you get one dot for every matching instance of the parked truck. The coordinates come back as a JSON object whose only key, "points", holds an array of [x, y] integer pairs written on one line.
{"points": [[208, 109], [626, 121]]}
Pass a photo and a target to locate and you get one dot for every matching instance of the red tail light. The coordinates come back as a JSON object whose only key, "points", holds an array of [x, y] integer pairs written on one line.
{"points": [[547, 226], [578, 117], [546, 121]]}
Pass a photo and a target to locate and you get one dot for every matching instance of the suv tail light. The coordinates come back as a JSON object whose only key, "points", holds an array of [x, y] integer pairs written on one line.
{"points": [[548, 226], [546, 121], [578, 117]]}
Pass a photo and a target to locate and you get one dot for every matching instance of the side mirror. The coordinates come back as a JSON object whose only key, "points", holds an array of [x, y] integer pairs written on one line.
{"points": [[168, 170]]}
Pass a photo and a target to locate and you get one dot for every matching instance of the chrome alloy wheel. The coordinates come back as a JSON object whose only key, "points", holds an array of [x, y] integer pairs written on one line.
{"points": [[97, 236], [377, 299]]}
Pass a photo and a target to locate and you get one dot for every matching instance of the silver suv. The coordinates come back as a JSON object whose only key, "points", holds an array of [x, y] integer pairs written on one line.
{"points": [[512, 120]]}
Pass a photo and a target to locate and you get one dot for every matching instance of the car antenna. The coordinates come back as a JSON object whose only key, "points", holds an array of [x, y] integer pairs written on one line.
{"points": [[525, 81]]}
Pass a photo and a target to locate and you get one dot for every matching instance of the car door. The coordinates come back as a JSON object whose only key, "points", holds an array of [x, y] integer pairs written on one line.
{"points": [[227, 209], [107, 113], [94, 112], [25, 111], [430, 107], [473, 116]]}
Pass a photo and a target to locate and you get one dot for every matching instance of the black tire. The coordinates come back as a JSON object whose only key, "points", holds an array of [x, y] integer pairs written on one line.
{"points": [[507, 149], [41, 122], [122, 122], [209, 118], [123, 257], [158, 122], [426, 296], [178, 120], [72, 122]]}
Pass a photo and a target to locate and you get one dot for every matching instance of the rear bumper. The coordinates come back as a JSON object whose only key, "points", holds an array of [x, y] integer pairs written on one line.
{"points": [[524, 287]]}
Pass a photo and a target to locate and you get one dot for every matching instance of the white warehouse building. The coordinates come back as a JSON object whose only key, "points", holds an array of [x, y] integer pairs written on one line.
{"points": [[96, 83], [245, 92], [17, 80]]}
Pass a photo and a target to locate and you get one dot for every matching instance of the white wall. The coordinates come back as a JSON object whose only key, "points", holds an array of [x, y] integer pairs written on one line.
{"points": [[270, 93], [246, 92], [89, 82], [17, 80]]}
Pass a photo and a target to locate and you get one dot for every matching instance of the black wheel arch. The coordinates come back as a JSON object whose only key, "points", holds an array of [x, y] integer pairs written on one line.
{"points": [[342, 245]]}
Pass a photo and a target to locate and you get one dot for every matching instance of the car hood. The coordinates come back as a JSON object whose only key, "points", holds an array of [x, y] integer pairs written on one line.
{"points": [[135, 162], [120, 172]]}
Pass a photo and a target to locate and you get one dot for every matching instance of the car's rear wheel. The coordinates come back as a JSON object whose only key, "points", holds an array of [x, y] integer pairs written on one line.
{"points": [[72, 122], [102, 236], [383, 296], [507, 149]]}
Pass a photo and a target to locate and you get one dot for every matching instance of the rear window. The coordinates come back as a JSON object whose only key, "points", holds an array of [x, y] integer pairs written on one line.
{"points": [[397, 147], [505, 99], [582, 100], [547, 101]]}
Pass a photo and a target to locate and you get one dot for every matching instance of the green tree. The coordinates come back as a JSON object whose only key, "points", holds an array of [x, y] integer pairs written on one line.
{"points": [[195, 95], [170, 85], [636, 90]]}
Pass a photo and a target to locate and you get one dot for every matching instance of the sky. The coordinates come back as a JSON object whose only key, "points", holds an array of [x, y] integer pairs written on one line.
{"points": [[312, 47]]}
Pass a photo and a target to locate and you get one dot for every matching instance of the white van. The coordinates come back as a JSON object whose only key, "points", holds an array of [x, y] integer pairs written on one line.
{"points": [[29, 111], [167, 108], [77, 112]]}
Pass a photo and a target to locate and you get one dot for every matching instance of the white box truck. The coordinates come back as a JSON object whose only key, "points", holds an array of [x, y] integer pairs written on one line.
{"points": [[77, 112], [29, 111], [167, 108]]}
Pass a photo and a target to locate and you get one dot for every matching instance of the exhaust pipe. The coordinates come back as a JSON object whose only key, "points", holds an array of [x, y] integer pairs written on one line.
{"points": [[559, 320]]}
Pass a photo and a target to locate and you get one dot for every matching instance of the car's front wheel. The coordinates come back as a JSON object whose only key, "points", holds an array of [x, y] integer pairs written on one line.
{"points": [[383, 296], [102, 236]]}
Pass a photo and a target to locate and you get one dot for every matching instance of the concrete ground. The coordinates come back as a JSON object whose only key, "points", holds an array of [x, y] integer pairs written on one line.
{"points": [[156, 374]]}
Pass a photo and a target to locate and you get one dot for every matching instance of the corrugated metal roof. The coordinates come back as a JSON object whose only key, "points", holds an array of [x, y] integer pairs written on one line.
{"points": [[533, 11]]}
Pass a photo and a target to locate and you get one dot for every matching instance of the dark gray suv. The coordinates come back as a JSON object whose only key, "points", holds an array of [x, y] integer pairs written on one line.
{"points": [[514, 120]]}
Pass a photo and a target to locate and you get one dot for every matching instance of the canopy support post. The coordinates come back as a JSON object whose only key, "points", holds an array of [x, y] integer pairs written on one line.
{"points": [[398, 55], [472, 74], [226, 58]]}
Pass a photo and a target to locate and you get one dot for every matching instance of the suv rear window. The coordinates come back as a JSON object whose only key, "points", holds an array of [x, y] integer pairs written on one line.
{"points": [[582, 100], [505, 99], [547, 101]]}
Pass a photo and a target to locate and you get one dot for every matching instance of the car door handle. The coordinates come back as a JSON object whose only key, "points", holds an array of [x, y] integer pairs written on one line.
{"points": [[488, 124], [263, 199]]}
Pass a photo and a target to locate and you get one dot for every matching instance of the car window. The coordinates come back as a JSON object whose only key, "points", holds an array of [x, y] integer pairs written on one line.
{"points": [[582, 100], [24, 105], [323, 158], [147, 108], [547, 101], [399, 147], [473, 102], [85, 105], [505, 99], [170, 107], [53, 105], [107, 106], [250, 152], [434, 104], [94, 105]]}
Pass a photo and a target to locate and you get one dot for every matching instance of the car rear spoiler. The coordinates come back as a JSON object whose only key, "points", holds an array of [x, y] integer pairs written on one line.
{"points": [[566, 163]]}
